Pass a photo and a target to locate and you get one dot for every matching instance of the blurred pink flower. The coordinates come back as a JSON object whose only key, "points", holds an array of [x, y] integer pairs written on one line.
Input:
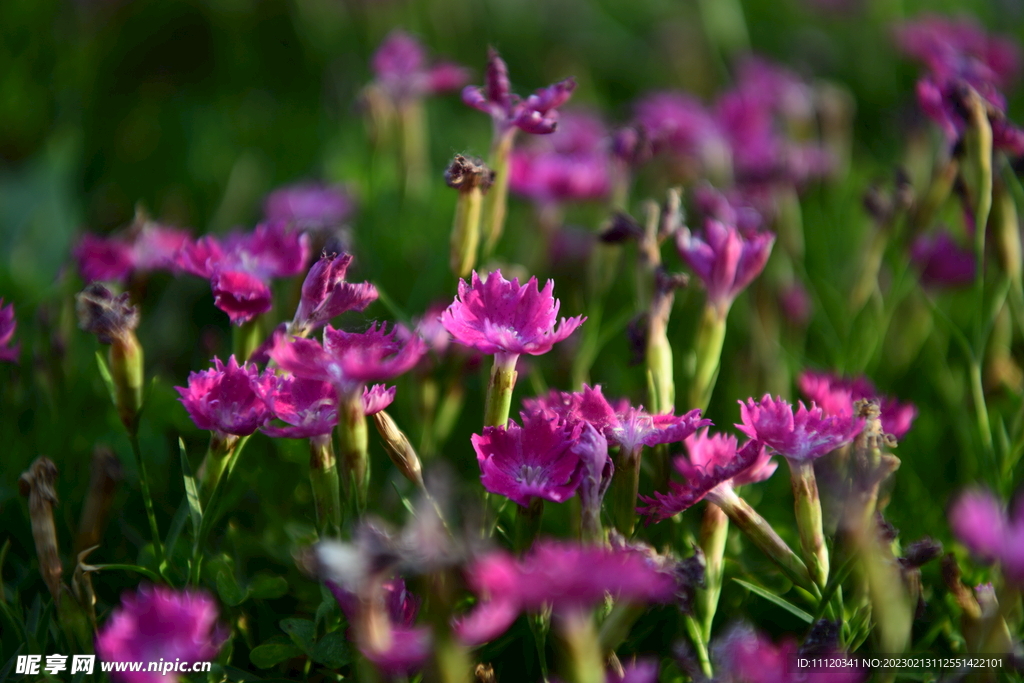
{"points": [[805, 435], [8, 325], [980, 522], [227, 399], [942, 262], [325, 294], [744, 656], [680, 125], [140, 249], [401, 70], [836, 396], [309, 206], [571, 164]]}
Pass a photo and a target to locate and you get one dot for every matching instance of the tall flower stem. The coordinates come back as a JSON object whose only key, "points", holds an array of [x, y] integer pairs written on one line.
{"points": [[527, 525], [707, 355], [465, 238], [412, 121], [499, 390], [353, 447], [496, 203], [581, 660], [212, 511], [761, 534], [147, 499], [700, 643], [808, 519], [218, 454], [624, 489], [245, 338], [323, 478], [714, 532]]}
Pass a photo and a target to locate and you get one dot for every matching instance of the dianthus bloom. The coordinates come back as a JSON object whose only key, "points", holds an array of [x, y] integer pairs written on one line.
{"points": [[682, 126], [942, 261], [325, 294], [145, 247], [403, 75], [836, 396], [725, 260], [715, 464], [309, 206], [805, 435], [980, 522], [745, 656], [533, 461], [8, 325], [240, 266], [566, 577], [160, 623], [310, 406], [228, 398]]}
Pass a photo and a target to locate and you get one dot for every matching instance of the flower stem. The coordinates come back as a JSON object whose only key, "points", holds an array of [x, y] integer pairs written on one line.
{"points": [[808, 519], [624, 489], [465, 238], [581, 661], [353, 445], [147, 499], [496, 203], [245, 338], [694, 630], [499, 390], [218, 455], [528, 524], [707, 356], [323, 478], [412, 121], [714, 532]]}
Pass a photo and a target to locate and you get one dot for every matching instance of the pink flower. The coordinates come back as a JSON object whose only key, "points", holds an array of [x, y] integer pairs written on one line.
{"points": [[836, 396], [310, 407], [348, 360], [325, 294], [228, 398], [565, 576], [743, 655], [140, 249], [807, 435], [682, 126], [795, 304], [942, 262], [309, 206], [503, 318], [533, 461], [240, 266], [715, 463], [980, 522], [538, 114], [400, 66], [160, 623], [571, 164], [724, 259], [8, 325]]}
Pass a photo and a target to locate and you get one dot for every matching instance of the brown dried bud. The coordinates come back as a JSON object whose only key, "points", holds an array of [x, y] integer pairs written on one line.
{"points": [[623, 227], [37, 484], [106, 475], [484, 673], [107, 316], [465, 174], [401, 452]]}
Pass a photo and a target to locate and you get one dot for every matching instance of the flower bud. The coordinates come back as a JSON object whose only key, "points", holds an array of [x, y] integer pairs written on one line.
{"points": [[401, 452], [472, 179], [37, 484], [106, 475]]}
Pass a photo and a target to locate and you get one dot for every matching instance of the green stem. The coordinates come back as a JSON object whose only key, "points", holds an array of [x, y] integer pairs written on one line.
{"points": [[323, 478], [412, 120], [694, 631], [714, 532], [581, 660], [465, 237], [980, 405], [807, 505], [353, 449], [707, 355], [528, 521], [147, 498], [624, 489], [496, 202], [245, 338], [499, 390], [212, 511]]}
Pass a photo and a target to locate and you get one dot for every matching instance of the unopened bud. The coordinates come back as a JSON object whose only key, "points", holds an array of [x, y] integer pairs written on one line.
{"points": [[106, 475], [37, 484], [401, 452]]}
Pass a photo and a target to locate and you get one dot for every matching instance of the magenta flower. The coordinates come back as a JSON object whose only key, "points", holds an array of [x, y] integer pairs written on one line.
{"points": [[227, 399], [836, 396], [942, 262], [536, 460], [731, 208], [725, 260], [325, 294], [682, 126], [240, 266], [400, 67], [140, 249], [8, 325], [980, 522], [566, 577], [795, 304], [745, 655], [805, 435], [310, 407], [160, 623], [309, 206], [536, 114], [571, 164], [348, 360], [715, 464], [503, 318]]}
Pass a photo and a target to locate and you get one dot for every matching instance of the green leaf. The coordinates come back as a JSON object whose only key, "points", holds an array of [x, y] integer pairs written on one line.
{"points": [[108, 379], [229, 590], [302, 632], [771, 597], [271, 654], [267, 587], [234, 674], [332, 651], [191, 490], [148, 573], [6, 671]]}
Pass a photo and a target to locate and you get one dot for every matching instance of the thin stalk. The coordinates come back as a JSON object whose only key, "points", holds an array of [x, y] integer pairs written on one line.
{"points": [[147, 498], [353, 449], [245, 338], [323, 479], [624, 489], [714, 532], [496, 202], [499, 390], [807, 506], [694, 631], [707, 356]]}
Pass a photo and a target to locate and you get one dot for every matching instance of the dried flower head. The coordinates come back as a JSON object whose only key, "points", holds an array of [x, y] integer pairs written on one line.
{"points": [[107, 316], [465, 174]]}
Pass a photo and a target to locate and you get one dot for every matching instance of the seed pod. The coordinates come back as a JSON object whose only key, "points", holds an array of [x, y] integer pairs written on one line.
{"points": [[398, 447], [37, 484]]}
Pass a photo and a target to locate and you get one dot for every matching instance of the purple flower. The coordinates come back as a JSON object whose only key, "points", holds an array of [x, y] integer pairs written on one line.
{"points": [[836, 396], [160, 623], [536, 460], [309, 206], [942, 262], [745, 655], [980, 522], [400, 66], [503, 318], [795, 304], [537, 114], [325, 294], [350, 359], [310, 406], [715, 463], [806, 435], [564, 576], [730, 208], [140, 249], [724, 259], [571, 164], [8, 324], [227, 399], [240, 266], [683, 127]]}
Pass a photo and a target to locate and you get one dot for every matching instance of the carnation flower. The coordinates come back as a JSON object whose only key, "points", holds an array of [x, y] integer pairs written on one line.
{"points": [[8, 325], [240, 266], [682, 126], [803, 436], [309, 206], [981, 523], [745, 656], [836, 396], [145, 247], [400, 67], [325, 294], [942, 261], [571, 164], [310, 406], [228, 398], [536, 460], [160, 623]]}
